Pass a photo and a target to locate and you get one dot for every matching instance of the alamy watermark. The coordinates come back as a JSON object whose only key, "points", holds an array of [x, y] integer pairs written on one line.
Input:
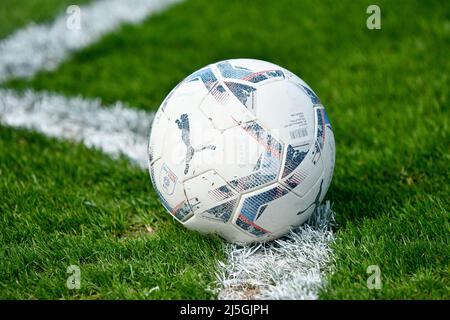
{"points": [[74, 279], [374, 20], [73, 21], [374, 280]]}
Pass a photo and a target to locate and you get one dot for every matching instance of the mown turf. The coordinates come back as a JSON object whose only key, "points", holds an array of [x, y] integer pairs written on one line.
{"points": [[386, 92], [18, 13], [63, 204]]}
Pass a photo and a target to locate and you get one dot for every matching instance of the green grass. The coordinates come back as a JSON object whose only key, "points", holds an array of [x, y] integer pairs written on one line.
{"points": [[411, 252], [15, 14], [386, 93], [63, 204]]}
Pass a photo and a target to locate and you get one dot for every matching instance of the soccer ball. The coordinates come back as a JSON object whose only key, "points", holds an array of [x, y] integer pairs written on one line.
{"points": [[241, 148]]}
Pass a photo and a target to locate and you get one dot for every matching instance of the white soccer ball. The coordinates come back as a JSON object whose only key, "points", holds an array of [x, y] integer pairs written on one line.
{"points": [[242, 148]]}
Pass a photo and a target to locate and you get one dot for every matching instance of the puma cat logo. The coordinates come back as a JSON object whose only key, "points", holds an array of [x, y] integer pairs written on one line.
{"points": [[183, 125]]}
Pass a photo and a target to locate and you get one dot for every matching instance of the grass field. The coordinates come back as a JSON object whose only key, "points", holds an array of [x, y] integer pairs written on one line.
{"points": [[386, 92], [15, 14], [83, 208]]}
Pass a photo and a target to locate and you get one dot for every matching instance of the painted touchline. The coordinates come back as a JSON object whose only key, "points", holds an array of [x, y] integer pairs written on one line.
{"points": [[44, 46], [115, 130]]}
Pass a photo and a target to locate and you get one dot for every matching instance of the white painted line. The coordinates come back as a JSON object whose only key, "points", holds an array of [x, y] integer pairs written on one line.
{"points": [[114, 130], [45, 46], [292, 267]]}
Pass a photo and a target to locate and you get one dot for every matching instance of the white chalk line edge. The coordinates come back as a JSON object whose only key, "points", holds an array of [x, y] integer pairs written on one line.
{"points": [[43, 47]]}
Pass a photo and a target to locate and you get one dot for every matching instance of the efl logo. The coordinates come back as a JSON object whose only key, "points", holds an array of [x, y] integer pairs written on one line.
{"points": [[168, 179]]}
